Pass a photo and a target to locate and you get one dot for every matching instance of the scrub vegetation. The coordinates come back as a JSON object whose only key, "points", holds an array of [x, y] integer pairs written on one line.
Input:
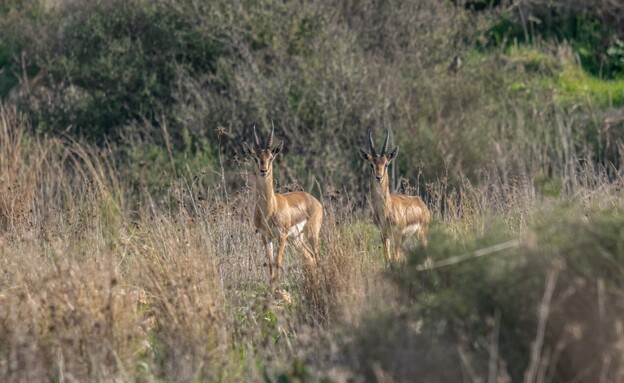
{"points": [[127, 245]]}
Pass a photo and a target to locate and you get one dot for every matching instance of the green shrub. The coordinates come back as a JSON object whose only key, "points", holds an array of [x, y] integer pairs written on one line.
{"points": [[616, 54], [324, 75], [7, 76], [19, 21], [591, 29], [464, 305], [116, 62], [575, 84], [151, 168]]}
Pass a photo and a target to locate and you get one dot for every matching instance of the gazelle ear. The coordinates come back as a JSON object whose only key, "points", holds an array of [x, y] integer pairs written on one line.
{"points": [[278, 148], [394, 153], [363, 155], [248, 150]]}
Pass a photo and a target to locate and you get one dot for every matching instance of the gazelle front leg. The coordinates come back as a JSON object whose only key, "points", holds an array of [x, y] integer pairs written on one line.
{"points": [[280, 254], [385, 240], [268, 248]]}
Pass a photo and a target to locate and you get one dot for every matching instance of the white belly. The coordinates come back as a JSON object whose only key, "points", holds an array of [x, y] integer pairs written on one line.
{"points": [[411, 229], [297, 229]]}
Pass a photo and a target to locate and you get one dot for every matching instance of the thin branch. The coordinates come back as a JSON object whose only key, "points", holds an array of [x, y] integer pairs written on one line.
{"points": [[544, 312], [468, 256], [493, 364]]}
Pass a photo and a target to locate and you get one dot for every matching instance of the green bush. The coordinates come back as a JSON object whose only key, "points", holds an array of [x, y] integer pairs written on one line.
{"points": [[116, 62], [19, 21], [151, 168], [7, 77], [324, 75], [464, 304], [591, 29], [616, 55]]}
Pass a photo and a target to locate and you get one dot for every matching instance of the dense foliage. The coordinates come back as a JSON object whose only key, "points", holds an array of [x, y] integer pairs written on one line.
{"points": [[594, 28], [568, 279], [187, 80]]}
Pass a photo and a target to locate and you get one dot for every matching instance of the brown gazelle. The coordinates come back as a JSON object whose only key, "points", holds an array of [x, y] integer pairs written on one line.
{"points": [[396, 216], [279, 216]]}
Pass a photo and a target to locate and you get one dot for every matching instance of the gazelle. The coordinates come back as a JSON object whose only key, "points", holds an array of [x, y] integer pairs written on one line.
{"points": [[280, 216], [396, 216]]}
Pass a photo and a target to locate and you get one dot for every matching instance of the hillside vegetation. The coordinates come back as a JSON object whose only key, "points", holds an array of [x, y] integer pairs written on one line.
{"points": [[127, 247]]}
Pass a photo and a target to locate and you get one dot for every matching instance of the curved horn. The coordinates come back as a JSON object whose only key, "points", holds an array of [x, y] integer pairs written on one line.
{"points": [[256, 136], [270, 139], [371, 144], [385, 145]]}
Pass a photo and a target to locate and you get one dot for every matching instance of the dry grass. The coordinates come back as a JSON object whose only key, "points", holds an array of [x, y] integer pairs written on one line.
{"points": [[94, 288], [19, 171]]}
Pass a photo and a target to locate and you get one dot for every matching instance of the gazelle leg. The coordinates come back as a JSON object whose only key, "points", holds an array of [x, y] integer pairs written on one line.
{"points": [[422, 236], [280, 253], [268, 248], [398, 247], [302, 243], [314, 241], [309, 246], [314, 233], [385, 240]]}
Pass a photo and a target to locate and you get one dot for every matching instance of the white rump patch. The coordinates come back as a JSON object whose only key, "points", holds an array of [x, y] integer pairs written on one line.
{"points": [[411, 229], [297, 229]]}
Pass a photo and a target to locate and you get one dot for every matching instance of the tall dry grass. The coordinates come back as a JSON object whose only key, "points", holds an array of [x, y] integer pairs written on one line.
{"points": [[97, 288], [20, 171], [102, 282]]}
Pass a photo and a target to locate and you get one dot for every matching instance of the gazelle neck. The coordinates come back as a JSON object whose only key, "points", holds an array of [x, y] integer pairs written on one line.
{"points": [[381, 190], [264, 191]]}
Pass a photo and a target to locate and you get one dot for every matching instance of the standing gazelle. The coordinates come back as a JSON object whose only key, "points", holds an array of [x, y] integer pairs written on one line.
{"points": [[279, 216], [397, 216]]}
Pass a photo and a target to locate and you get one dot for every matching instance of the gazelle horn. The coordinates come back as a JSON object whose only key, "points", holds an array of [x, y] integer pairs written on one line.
{"points": [[371, 144], [270, 139], [385, 145], [256, 136]]}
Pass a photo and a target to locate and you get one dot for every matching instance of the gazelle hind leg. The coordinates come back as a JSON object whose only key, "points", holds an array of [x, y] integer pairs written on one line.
{"points": [[300, 242], [313, 232], [398, 246], [316, 250], [422, 235]]}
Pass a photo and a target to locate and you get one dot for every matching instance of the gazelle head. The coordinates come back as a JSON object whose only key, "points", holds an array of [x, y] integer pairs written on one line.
{"points": [[263, 154], [379, 162]]}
